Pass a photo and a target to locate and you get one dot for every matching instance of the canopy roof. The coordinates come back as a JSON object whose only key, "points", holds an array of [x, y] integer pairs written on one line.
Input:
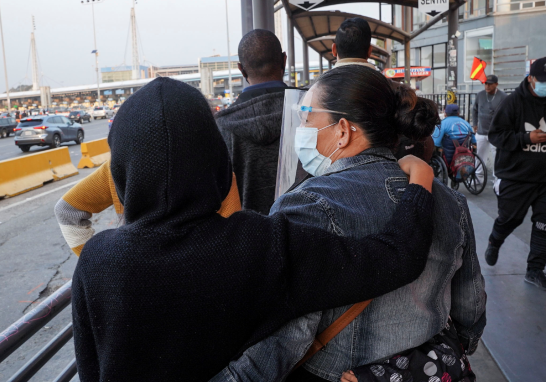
{"points": [[315, 24], [409, 3]]}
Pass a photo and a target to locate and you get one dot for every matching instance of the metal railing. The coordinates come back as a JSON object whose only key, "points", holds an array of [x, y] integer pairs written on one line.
{"points": [[21, 331], [464, 100]]}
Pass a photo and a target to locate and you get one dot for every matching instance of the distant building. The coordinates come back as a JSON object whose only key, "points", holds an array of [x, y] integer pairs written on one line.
{"points": [[173, 70], [217, 63], [122, 73]]}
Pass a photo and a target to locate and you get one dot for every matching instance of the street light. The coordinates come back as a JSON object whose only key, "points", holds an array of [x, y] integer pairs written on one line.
{"points": [[92, 2], [229, 57], [5, 65]]}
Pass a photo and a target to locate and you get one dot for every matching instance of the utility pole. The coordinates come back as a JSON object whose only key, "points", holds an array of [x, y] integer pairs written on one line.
{"points": [[34, 58], [136, 62], [5, 65], [95, 51], [229, 56]]}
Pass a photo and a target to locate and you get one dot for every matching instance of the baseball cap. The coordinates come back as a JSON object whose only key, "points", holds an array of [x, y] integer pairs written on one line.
{"points": [[492, 79], [452, 109], [538, 69]]}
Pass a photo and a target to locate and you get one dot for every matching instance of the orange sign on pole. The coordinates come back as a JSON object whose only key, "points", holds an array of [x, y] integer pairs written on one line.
{"points": [[478, 70]]}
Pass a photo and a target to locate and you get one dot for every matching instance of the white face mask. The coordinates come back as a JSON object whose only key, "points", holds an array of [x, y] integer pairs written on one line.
{"points": [[312, 161]]}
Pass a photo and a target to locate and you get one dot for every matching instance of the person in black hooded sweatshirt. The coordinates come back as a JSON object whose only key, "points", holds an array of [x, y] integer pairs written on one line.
{"points": [[179, 291]]}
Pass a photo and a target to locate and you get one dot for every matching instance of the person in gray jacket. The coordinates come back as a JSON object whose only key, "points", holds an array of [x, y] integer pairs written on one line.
{"points": [[487, 102]]}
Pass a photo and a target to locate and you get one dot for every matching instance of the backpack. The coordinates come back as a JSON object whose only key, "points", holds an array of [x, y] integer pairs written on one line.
{"points": [[462, 164]]}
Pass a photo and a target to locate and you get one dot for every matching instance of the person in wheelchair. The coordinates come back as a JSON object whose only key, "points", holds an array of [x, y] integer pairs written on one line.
{"points": [[452, 133]]}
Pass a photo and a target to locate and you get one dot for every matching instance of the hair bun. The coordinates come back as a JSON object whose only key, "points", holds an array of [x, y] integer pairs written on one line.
{"points": [[420, 121]]}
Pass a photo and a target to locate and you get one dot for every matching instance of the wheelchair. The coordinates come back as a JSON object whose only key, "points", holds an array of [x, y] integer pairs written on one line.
{"points": [[442, 171]]}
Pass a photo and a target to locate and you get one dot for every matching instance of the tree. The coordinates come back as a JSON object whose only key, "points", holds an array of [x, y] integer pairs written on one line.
{"points": [[21, 88]]}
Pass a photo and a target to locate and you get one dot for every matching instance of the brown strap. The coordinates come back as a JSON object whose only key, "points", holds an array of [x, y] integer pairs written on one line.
{"points": [[333, 330]]}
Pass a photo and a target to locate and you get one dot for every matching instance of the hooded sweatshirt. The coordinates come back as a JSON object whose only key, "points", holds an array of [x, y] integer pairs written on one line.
{"points": [[517, 158], [179, 291], [252, 129]]}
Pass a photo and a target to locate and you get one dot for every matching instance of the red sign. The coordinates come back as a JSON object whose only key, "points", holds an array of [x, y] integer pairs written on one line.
{"points": [[415, 71]]}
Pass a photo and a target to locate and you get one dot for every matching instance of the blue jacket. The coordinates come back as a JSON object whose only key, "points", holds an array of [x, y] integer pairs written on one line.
{"points": [[452, 127], [354, 198]]}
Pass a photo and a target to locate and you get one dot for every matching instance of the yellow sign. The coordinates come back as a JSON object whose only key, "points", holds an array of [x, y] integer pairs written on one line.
{"points": [[451, 97]]}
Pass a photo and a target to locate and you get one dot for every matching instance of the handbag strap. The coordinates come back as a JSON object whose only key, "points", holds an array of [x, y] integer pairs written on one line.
{"points": [[333, 330]]}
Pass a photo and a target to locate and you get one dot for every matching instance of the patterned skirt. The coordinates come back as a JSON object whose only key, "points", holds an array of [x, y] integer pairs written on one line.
{"points": [[441, 359]]}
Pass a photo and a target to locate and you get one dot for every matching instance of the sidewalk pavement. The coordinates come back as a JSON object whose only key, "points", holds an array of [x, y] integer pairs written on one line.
{"points": [[515, 335]]}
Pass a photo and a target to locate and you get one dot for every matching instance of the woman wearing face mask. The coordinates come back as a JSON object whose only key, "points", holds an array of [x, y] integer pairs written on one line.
{"points": [[351, 119]]}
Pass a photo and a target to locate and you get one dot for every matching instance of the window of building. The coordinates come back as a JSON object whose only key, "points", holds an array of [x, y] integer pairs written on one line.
{"points": [[415, 57], [478, 43], [397, 16], [426, 56], [439, 55], [400, 62]]}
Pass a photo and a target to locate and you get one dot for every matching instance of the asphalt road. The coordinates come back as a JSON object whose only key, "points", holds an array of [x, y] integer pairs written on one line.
{"points": [[95, 130], [35, 261]]}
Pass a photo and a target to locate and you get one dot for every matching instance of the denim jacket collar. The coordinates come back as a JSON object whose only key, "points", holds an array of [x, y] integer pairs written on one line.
{"points": [[371, 155]]}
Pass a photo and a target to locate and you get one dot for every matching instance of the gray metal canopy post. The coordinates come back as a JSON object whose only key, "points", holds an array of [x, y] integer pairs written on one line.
{"points": [[247, 22], [407, 48], [305, 76], [291, 52], [452, 45], [320, 67], [263, 15]]}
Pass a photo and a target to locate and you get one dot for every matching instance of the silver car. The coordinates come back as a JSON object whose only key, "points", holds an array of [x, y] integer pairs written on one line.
{"points": [[47, 130], [102, 112]]}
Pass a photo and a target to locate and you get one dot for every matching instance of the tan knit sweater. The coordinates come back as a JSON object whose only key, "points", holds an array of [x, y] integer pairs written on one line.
{"points": [[97, 192]]}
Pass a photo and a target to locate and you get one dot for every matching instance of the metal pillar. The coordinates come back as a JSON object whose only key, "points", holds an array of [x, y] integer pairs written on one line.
{"points": [[5, 65], [291, 52], [136, 62], [407, 48], [305, 76], [229, 57], [96, 54], [453, 42], [329, 65], [34, 59], [320, 68], [263, 15], [246, 16]]}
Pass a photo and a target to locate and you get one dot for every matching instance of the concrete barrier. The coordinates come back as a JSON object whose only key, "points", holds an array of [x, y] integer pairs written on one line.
{"points": [[94, 153], [26, 173]]}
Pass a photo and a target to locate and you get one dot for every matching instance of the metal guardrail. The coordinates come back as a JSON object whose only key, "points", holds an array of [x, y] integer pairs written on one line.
{"points": [[464, 100], [21, 331]]}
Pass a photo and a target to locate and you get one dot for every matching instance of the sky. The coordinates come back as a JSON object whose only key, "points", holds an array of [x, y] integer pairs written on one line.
{"points": [[172, 32]]}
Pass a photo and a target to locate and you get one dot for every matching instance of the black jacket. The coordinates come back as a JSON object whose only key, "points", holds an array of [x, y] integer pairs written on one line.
{"points": [[179, 291], [252, 129], [517, 158]]}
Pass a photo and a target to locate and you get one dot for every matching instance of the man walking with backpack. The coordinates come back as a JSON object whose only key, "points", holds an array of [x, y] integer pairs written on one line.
{"points": [[518, 131]]}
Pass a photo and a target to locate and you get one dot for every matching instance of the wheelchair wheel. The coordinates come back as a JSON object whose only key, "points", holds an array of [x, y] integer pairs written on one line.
{"points": [[440, 169], [472, 183]]}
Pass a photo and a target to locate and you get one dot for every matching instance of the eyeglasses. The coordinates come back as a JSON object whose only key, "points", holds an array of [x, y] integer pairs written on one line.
{"points": [[303, 111]]}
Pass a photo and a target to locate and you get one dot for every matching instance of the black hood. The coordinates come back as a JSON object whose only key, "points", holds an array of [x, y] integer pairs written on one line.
{"points": [[523, 91], [169, 162], [258, 120]]}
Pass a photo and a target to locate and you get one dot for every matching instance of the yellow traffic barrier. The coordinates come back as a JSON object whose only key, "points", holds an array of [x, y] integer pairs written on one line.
{"points": [[94, 153], [29, 172]]}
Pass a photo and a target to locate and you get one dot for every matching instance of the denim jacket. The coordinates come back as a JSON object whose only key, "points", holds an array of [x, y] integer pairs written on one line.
{"points": [[356, 197]]}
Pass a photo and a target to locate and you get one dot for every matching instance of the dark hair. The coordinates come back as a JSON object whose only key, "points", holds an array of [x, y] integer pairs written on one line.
{"points": [[383, 111], [260, 54], [353, 38]]}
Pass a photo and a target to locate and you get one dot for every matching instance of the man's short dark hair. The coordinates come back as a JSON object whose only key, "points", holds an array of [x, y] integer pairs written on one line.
{"points": [[353, 38], [260, 54]]}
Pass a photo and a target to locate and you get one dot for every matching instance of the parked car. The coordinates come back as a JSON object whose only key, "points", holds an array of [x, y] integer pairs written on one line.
{"points": [[7, 126], [102, 112], [110, 123], [116, 107], [79, 116], [47, 130]]}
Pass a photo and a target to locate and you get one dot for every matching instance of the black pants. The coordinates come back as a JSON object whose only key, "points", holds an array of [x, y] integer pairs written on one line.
{"points": [[514, 200]]}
